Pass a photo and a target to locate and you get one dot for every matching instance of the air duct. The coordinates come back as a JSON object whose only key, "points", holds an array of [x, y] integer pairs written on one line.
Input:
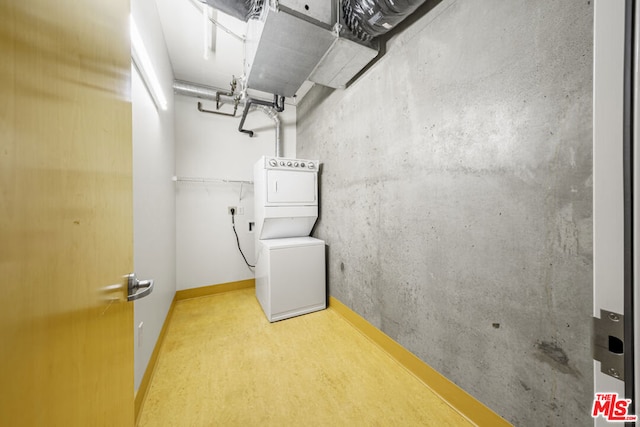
{"points": [[197, 91], [240, 9], [368, 19], [294, 41], [207, 92]]}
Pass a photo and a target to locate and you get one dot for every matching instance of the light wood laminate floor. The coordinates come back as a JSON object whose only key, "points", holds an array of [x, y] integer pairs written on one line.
{"points": [[223, 364]]}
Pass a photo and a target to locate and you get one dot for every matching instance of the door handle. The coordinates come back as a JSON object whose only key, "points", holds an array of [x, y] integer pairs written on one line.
{"points": [[137, 289]]}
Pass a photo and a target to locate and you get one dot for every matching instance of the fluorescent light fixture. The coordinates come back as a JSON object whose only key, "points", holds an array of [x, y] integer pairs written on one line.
{"points": [[143, 63]]}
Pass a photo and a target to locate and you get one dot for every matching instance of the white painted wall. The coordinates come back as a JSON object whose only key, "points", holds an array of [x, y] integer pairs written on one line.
{"points": [[153, 189], [210, 146]]}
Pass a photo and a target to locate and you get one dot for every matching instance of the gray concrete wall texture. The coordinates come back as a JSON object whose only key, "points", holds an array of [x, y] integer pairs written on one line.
{"points": [[456, 199]]}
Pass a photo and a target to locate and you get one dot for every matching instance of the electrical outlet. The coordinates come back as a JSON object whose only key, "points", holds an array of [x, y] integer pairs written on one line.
{"points": [[140, 329], [237, 210]]}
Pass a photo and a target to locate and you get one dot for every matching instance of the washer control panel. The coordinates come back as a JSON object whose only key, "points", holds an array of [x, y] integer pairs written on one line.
{"points": [[291, 164]]}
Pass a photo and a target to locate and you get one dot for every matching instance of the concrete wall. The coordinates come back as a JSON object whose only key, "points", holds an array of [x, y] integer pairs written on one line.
{"points": [[210, 146], [456, 199], [153, 191]]}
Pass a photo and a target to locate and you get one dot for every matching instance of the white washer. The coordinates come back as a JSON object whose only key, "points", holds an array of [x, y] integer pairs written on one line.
{"points": [[290, 276]]}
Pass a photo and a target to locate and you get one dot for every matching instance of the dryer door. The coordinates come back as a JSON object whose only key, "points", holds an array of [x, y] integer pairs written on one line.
{"points": [[291, 187]]}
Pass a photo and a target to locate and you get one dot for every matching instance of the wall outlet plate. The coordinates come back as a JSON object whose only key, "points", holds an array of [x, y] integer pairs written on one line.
{"points": [[239, 210]]}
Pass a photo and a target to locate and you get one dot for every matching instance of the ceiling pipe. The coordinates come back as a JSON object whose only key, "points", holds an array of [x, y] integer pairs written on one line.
{"points": [[277, 105], [197, 91], [270, 108], [273, 114]]}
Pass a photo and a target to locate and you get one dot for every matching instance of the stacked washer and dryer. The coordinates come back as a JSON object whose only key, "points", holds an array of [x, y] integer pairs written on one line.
{"points": [[290, 265]]}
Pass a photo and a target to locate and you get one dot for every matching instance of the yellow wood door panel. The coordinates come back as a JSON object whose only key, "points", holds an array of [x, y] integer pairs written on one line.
{"points": [[66, 344]]}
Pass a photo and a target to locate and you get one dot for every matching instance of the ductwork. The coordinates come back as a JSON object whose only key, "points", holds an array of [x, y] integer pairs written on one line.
{"points": [[197, 91], [240, 9], [370, 18], [295, 41], [273, 114], [328, 42]]}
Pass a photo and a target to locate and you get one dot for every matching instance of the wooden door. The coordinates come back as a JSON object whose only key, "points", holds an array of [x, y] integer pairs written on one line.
{"points": [[66, 337]]}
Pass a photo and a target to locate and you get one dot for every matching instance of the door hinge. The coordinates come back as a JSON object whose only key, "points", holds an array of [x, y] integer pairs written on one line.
{"points": [[608, 343]]}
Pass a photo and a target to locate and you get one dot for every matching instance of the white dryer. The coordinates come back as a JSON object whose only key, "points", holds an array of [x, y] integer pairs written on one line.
{"points": [[286, 197]]}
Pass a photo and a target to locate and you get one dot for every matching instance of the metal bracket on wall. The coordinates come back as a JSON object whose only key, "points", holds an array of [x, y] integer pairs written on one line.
{"points": [[608, 343]]}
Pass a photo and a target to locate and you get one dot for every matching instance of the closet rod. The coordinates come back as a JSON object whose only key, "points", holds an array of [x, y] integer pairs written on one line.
{"points": [[191, 179]]}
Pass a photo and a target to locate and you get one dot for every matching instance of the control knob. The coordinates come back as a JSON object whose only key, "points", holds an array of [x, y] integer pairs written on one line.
{"points": [[288, 163], [311, 165], [273, 162]]}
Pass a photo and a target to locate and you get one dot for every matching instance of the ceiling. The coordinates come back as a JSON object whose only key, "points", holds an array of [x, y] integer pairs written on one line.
{"points": [[186, 28]]}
